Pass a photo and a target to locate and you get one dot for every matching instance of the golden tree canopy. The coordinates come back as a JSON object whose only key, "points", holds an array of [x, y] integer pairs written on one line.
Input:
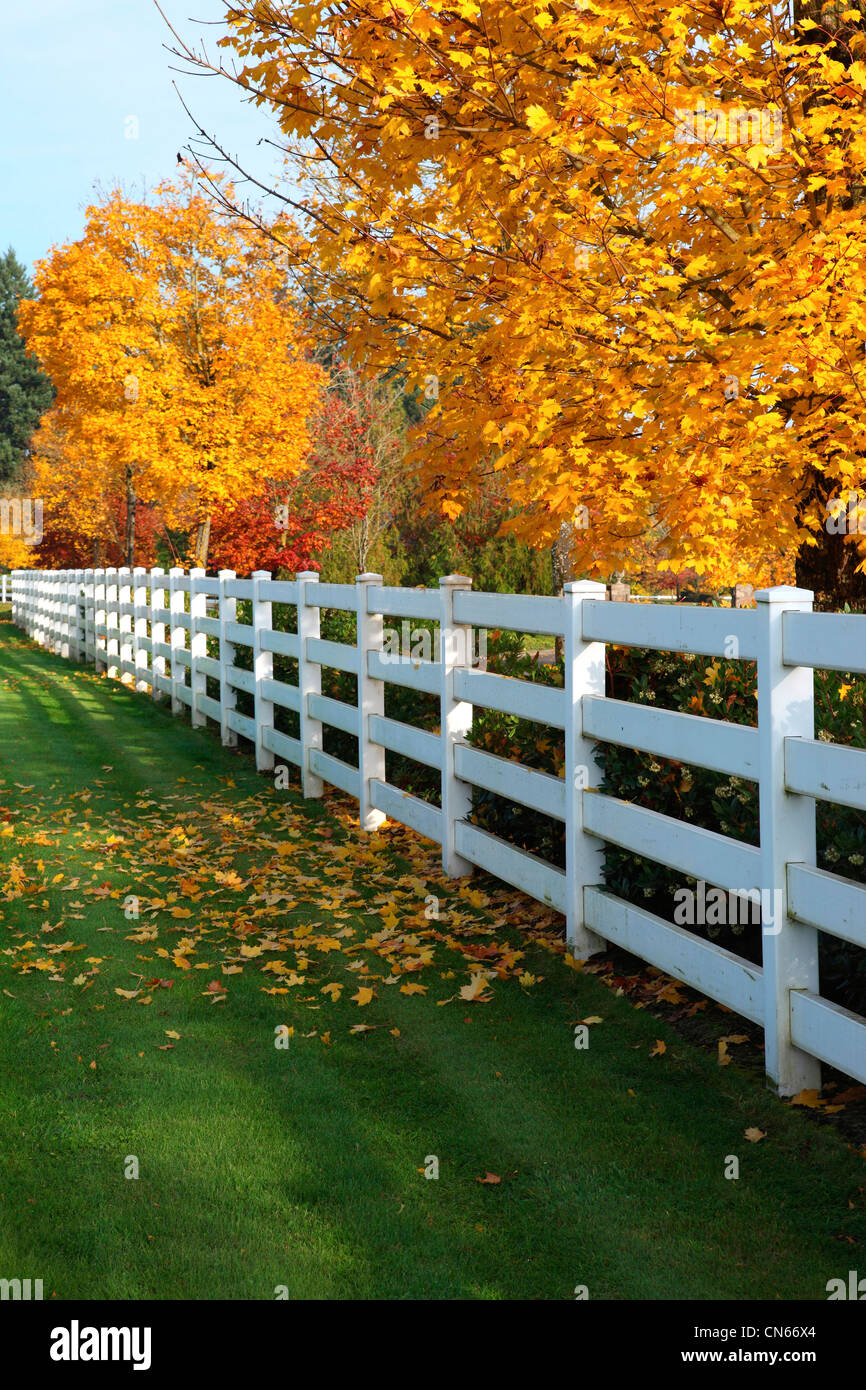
{"points": [[178, 360], [623, 244]]}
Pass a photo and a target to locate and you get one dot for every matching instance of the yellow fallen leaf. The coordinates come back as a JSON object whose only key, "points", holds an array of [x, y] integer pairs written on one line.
{"points": [[363, 996], [660, 1049], [754, 1135], [477, 991]]}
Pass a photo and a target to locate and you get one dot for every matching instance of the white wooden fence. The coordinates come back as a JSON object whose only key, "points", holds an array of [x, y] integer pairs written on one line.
{"points": [[151, 629]]}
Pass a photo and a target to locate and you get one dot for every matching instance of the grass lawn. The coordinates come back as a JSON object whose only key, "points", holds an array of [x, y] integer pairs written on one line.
{"points": [[414, 1036]]}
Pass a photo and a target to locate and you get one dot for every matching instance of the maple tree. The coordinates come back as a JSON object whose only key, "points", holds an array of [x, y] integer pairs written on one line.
{"points": [[291, 520], [179, 360], [627, 244]]}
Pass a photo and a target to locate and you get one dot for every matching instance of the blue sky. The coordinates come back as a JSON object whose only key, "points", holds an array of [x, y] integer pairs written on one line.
{"points": [[72, 74]]}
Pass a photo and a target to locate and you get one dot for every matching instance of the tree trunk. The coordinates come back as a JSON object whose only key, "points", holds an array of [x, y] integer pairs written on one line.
{"points": [[559, 564], [828, 568], [202, 542], [129, 538]]}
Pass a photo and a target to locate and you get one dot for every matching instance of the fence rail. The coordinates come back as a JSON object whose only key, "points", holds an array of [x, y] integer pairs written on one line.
{"points": [[152, 629]]}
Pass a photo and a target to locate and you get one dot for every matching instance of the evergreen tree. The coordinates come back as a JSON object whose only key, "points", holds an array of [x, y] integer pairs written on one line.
{"points": [[25, 391]]}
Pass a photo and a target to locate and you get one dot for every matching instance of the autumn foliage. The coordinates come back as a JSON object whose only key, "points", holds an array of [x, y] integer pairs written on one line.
{"points": [[292, 519], [181, 368], [626, 243]]}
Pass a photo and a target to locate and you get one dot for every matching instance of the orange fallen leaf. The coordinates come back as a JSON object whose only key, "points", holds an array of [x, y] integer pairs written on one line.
{"points": [[489, 1179], [660, 1049]]}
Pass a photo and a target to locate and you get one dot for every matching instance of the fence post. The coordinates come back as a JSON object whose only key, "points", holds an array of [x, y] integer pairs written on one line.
{"points": [[197, 645], [124, 620], [76, 636], [61, 600], [67, 590], [228, 695], [309, 682], [48, 588], [176, 636], [787, 828], [584, 676], [263, 669], [455, 721], [100, 618], [112, 644], [56, 607], [371, 700], [139, 626], [157, 631], [89, 647], [46, 600], [61, 606]]}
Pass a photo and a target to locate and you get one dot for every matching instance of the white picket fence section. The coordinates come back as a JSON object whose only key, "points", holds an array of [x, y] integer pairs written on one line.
{"points": [[151, 629]]}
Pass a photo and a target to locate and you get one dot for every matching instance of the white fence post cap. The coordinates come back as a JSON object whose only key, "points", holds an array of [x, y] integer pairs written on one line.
{"points": [[584, 586], [783, 593]]}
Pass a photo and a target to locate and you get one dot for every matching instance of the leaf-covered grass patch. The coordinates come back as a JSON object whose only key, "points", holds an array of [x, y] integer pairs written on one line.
{"points": [[280, 1022]]}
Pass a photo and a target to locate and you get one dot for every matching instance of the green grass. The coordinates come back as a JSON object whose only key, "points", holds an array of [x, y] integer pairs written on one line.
{"points": [[533, 643], [262, 1167]]}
